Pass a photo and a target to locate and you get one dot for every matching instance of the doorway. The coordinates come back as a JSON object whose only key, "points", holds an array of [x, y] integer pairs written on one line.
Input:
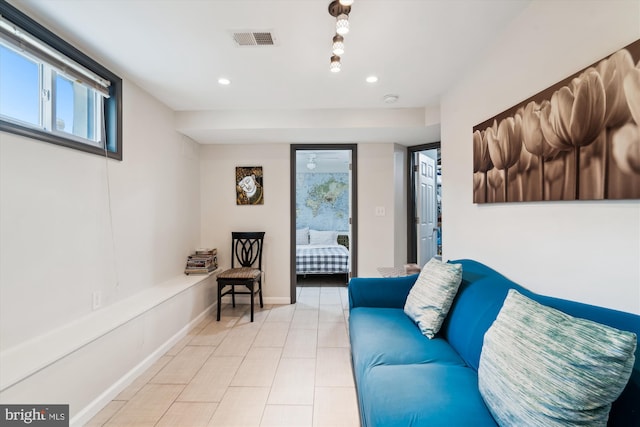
{"points": [[323, 186], [424, 213]]}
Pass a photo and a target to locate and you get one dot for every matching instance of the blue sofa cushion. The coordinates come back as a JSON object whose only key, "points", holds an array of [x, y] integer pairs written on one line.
{"points": [[386, 336], [422, 395], [476, 306]]}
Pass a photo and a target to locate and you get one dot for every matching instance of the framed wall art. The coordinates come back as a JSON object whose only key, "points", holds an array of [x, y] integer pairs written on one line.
{"points": [[576, 140], [249, 185]]}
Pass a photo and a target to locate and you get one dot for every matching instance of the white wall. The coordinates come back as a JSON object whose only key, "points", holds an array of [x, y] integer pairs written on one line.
{"points": [[400, 205], [585, 251], [221, 215], [58, 247], [376, 188]]}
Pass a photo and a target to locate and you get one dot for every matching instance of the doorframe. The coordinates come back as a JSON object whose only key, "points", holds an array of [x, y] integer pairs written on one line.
{"points": [[412, 235], [353, 238]]}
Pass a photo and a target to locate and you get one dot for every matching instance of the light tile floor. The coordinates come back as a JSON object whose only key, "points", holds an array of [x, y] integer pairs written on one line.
{"points": [[290, 367]]}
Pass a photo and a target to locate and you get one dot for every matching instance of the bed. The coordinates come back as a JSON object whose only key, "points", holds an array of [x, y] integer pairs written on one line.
{"points": [[321, 252]]}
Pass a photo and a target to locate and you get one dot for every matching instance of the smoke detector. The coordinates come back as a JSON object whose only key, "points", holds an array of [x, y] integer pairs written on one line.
{"points": [[390, 99]]}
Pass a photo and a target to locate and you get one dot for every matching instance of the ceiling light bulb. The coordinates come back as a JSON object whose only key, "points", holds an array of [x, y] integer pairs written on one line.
{"points": [[342, 24], [346, 2], [372, 79], [335, 64], [224, 81], [338, 45]]}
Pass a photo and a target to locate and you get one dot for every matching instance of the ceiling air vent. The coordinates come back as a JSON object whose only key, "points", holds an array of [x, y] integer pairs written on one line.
{"points": [[254, 38]]}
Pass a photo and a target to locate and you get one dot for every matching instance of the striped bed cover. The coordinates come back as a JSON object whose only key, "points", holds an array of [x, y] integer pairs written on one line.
{"points": [[321, 259]]}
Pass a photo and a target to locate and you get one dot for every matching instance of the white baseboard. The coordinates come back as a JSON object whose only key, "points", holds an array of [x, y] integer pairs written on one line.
{"points": [[89, 411], [277, 300]]}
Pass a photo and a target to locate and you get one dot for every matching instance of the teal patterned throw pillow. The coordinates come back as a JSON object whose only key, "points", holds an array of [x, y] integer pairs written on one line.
{"points": [[542, 367], [430, 298]]}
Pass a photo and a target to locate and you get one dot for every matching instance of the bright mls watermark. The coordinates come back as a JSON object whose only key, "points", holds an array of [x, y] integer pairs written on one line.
{"points": [[34, 415]]}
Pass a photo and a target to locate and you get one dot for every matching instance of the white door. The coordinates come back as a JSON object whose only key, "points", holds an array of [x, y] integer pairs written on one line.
{"points": [[426, 208]]}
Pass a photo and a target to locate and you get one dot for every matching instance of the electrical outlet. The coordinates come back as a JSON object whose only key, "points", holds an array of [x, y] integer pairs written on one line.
{"points": [[380, 211], [97, 300]]}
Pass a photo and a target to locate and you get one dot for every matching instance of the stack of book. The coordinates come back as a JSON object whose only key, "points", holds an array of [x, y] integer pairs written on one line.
{"points": [[203, 261]]}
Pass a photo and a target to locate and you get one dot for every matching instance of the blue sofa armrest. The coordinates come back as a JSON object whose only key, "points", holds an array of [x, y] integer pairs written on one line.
{"points": [[383, 292]]}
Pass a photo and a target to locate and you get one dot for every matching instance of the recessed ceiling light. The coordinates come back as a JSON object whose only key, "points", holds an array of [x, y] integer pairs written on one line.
{"points": [[372, 79], [224, 81]]}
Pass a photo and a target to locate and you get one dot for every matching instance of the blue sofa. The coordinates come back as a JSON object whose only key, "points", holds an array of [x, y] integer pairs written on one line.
{"points": [[405, 379]]}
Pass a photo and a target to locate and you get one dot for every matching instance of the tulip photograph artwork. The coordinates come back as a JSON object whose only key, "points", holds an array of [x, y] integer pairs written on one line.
{"points": [[576, 140]]}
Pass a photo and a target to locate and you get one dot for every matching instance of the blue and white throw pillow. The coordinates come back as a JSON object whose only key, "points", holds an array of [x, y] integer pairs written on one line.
{"points": [[542, 367], [430, 298]]}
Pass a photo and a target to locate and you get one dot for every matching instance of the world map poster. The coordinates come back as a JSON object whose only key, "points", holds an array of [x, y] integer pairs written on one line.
{"points": [[322, 201]]}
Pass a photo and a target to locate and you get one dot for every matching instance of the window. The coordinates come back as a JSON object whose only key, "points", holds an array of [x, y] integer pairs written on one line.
{"points": [[77, 110], [19, 79], [51, 91]]}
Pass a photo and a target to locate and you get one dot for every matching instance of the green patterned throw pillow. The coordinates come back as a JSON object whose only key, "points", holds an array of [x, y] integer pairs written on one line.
{"points": [[430, 298], [542, 367]]}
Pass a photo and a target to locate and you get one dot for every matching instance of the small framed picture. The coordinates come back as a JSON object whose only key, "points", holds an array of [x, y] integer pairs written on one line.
{"points": [[249, 185]]}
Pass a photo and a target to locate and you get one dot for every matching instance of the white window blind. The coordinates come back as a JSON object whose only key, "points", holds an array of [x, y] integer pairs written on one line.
{"points": [[23, 41]]}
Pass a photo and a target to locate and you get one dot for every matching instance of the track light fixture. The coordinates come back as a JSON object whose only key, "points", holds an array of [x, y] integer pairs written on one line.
{"points": [[342, 24], [335, 64], [338, 45], [340, 10]]}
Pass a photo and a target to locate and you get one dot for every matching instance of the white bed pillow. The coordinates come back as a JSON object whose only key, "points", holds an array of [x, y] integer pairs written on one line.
{"points": [[323, 237], [302, 236]]}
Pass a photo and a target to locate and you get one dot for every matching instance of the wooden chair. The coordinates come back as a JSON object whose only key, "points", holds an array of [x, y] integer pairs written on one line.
{"points": [[246, 252]]}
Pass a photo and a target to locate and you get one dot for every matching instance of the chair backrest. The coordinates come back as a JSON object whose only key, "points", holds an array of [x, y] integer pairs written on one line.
{"points": [[246, 249]]}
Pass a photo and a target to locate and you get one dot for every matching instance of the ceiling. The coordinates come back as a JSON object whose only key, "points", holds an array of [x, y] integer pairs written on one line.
{"points": [[177, 49], [322, 160]]}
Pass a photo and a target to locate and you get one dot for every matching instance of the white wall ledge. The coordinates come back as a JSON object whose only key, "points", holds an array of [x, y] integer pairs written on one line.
{"points": [[29, 357]]}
